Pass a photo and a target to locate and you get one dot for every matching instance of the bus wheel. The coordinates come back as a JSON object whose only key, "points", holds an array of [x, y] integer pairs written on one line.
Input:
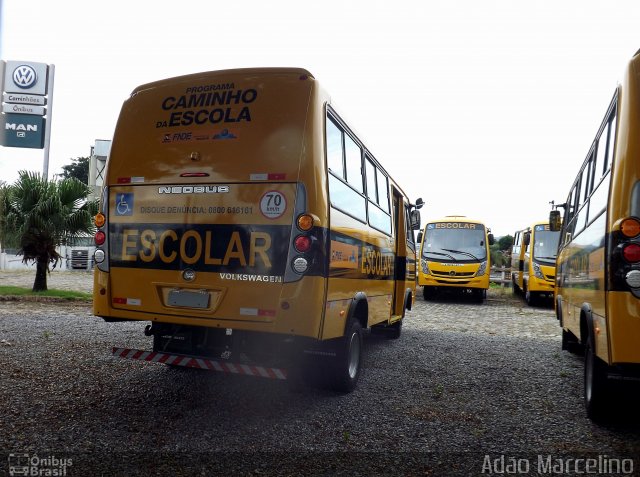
{"points": [[428, 292], [478, 295], [394, 331], [530, 298], [348, 361], [570, 343], [595, 383]]}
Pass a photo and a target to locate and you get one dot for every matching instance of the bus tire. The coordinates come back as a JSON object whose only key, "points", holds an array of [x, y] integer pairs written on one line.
{"points": [[347, 365], [570, 343], [394, 331], [596, 395], [479, 295], [428, 292], [530, 297]]}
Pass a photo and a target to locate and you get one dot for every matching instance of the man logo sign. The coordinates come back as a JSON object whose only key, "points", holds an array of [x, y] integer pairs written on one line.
{"points": [[24, 76]]}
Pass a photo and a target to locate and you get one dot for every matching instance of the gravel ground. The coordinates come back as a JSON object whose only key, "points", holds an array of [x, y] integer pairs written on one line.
{"points": [[465, 386]]}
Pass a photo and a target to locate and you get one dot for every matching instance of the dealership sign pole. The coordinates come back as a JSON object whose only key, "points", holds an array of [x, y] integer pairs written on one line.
{"points": [[27, 99]]}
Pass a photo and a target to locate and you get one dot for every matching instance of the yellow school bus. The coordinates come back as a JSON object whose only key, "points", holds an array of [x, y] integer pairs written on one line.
{"points": [[247, 221], [454, 255], [597, 293], [533, 261]]}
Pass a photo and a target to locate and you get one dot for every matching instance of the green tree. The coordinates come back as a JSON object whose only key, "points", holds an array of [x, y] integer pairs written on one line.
{"points": [[37, 215], [500, 251], [505, 243], [79, 168]]}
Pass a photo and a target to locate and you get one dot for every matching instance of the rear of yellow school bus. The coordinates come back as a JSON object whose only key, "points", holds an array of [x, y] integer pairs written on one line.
{"points": [[214, 224], [454, 256]]}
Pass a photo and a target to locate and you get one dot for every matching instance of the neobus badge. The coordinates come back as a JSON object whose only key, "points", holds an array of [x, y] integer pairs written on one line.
{"points": [[222, 189]]}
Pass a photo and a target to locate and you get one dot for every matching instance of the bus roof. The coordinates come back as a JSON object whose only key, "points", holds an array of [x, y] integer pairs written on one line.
{"points": [[195, 77], [219, 126], [456, 218]]}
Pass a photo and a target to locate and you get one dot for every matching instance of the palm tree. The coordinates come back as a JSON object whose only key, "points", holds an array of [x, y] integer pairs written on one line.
{"points": [[37, 215]]}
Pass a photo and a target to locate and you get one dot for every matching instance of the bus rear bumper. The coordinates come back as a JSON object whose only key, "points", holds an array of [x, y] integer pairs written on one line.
{"points": [[196, 362]]}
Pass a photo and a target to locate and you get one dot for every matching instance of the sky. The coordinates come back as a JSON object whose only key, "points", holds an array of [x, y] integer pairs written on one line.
{"points": [[481, 108]]}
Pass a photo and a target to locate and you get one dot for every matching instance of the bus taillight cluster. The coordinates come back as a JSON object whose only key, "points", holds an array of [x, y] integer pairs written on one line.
{"points": [[100, 237], [302, 243], [630, 248]]}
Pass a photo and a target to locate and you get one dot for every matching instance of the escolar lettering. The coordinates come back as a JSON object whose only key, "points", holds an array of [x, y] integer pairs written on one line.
{"points": [[455, 225], [376, 263], [192, 247]]}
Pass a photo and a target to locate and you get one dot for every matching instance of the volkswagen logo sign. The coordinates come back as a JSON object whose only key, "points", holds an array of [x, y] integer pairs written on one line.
{"points": [[24, 76], [189, 275]]}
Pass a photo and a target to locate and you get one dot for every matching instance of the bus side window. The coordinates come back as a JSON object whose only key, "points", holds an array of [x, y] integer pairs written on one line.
{"points": [[378, 203], [579, 198], [601, 156], [611, 141], [409, 230], [372, 189], [353, 159], [569, 213], [343, 195], [334, 149], [587, 176], [383, 196]]}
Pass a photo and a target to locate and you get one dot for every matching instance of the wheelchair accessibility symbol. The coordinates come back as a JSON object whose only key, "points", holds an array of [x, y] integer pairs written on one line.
{"points": [[124, 204]]}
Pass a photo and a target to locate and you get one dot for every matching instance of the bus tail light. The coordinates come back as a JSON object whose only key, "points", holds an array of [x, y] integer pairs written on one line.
{"points": [[302, 243], [305, 222], [631, 252], [99, 256], [630, 227], [100, 237], [633, 279], [99, 220], [300, 265]]}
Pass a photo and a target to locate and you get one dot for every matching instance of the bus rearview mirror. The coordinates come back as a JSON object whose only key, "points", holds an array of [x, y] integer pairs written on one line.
{"points": [[415, 219], [554, 220]]}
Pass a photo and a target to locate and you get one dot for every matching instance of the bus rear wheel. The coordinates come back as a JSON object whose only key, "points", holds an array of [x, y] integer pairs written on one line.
{"points": [[596, 393], [347, 365]]}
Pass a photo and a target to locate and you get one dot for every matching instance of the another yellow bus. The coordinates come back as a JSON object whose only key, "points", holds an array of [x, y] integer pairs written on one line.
{"points": [[454, 255], [533, 261], [246, 220], [598, 269]]}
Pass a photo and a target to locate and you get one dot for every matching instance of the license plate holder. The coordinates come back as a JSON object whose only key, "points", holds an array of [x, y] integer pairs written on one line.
{"points": [[189, 298]]}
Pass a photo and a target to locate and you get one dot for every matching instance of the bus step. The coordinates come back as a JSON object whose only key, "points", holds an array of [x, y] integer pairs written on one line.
{"points": [[200, 363]]}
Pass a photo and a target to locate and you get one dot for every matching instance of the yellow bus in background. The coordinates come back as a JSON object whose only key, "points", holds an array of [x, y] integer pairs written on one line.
{"points": [[598, 268], [245, 219], [533, 261], [454, 255]]}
